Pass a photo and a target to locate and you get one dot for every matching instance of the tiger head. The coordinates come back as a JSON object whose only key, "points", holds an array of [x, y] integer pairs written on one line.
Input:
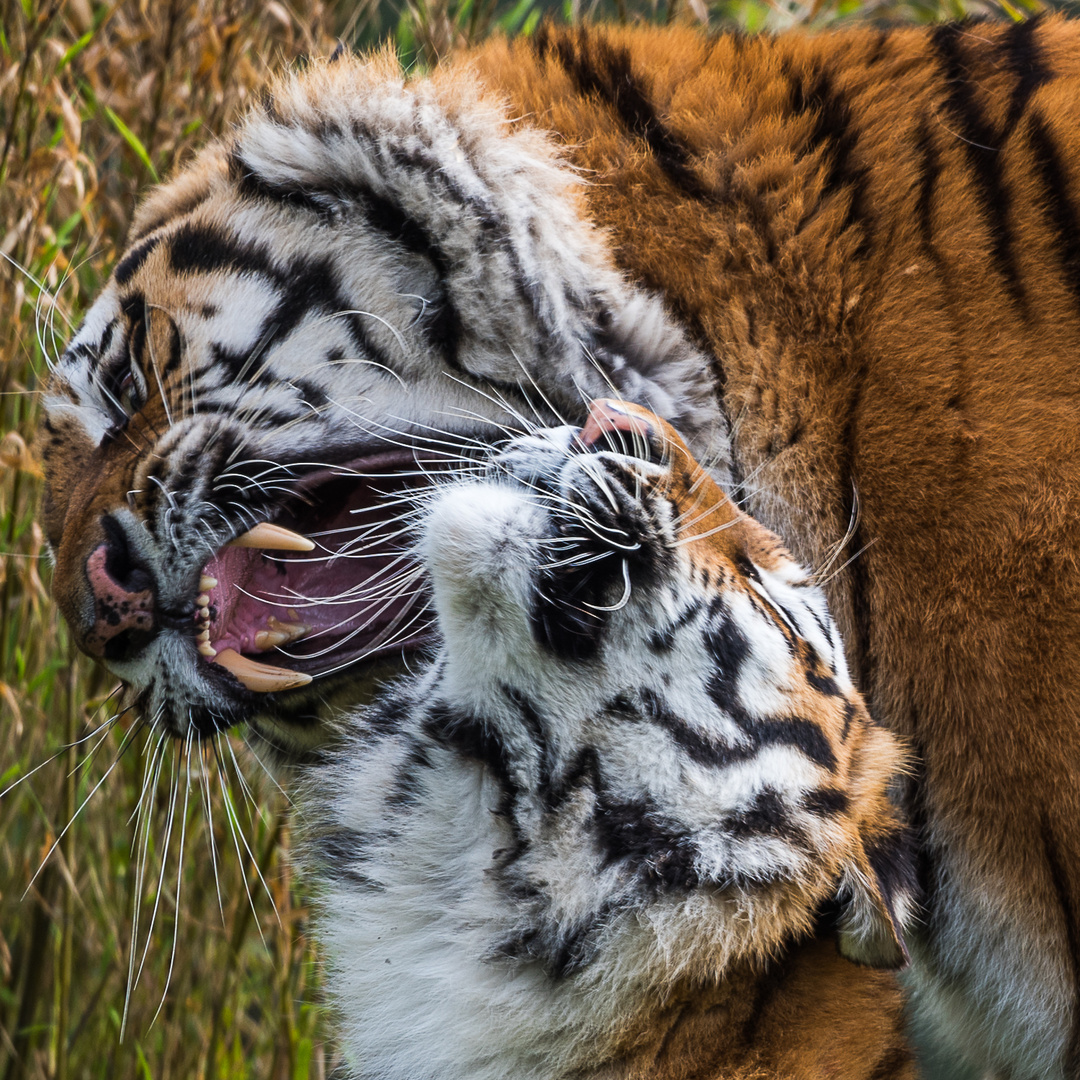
{"points": [[636, 766], [368, 280]]}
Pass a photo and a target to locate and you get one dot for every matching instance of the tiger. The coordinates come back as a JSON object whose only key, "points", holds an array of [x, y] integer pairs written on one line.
{"points": [[844, 266], [595, 836]]}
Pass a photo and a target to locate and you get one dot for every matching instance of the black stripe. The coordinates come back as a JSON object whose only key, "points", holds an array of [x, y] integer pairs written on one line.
{"points": [[537, 730], [769, 984], [794, 731], [821, 681], [825, 802], [664, 640], [1059, 881], [408, 783], [176, 350], [982, 149], [850, 712], [893, 859], [1055, 183], [251, 184], [765, 816], [340, 850], [474, 737], [803, 734], [835, 136], [612, 79], [635, 833], [171, 213], [929, 170], [1025, 60], [441, 321], [203, 250], [136, 256]]}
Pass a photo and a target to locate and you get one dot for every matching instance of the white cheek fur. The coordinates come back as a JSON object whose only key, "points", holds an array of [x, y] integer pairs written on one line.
{"points": [[527, 853]]}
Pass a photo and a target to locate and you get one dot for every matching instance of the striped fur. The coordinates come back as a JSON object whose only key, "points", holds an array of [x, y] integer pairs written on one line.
{"points": [[576, 850], [848, 268]]}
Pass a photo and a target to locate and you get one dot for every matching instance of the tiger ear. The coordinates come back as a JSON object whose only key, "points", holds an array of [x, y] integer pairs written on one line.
{"points": [[878, 893]]}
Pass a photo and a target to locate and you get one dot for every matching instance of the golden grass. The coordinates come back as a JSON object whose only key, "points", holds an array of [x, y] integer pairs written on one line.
{"points": [[96, 101]]}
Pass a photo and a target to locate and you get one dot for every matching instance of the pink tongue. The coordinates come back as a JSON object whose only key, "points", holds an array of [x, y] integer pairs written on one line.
{"points": [[355, 592]]}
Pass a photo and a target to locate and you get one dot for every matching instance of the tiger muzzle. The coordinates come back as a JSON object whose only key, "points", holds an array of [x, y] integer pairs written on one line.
{"points": [[124, 617]]}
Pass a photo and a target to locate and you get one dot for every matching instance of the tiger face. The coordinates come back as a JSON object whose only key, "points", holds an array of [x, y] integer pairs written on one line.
{"points": [[302, 330], [636, 765]]}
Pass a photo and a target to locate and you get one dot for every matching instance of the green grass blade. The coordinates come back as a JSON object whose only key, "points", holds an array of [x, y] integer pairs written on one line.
{"points": [[134, 142]]}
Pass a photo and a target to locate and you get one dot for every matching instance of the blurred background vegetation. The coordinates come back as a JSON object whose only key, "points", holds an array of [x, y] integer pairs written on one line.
{"points": [[97, 100]]}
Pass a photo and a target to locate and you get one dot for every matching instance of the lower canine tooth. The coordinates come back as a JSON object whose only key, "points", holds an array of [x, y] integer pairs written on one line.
{"points": [[262, 678], [207, 650], [206, 583], [280, 633]]}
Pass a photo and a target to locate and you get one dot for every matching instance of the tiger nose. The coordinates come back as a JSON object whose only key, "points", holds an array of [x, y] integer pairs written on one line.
{"points": [[123, 591]]}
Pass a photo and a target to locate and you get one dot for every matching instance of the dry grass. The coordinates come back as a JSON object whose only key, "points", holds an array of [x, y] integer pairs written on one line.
{"points": [[96, 101]]}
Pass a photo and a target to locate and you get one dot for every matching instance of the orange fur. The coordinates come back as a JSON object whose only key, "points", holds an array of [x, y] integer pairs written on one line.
{"points": [[895, 311]]}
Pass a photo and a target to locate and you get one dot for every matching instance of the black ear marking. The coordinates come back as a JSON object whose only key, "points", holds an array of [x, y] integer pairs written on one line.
{"points": [[878, 893]]}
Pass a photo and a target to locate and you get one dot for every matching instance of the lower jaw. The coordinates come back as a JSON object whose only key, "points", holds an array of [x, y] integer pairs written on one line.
{"points": [[302, 725]]}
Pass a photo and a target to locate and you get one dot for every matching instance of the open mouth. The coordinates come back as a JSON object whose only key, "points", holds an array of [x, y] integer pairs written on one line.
{"points": [[329, 582]]}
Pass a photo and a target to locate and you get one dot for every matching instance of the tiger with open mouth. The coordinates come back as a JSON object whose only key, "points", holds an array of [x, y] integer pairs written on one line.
{"points": [[845, 267], [594, 838]]}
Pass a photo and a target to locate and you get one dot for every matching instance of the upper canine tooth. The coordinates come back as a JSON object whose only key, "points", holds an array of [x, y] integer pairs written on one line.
{"points": [[206, 583], [261, 678], [272, 538]]}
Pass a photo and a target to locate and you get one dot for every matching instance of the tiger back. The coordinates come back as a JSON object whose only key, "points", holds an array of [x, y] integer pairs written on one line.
{"points": [[596, 837]]}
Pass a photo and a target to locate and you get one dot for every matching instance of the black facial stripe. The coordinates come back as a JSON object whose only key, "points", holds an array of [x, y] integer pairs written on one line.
{"points": [[127, 267], [826, 802], [476, 738], [634, 832], [767, 816], [804, 735], [664, 640], [198, 249], [251, 184]]}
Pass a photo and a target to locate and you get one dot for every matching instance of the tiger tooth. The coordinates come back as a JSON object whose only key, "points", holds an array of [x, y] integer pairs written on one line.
{"points": [[279, 633], [294, 629], [206, 583], [207, 650], [269, 639], [272, 538], [202, 600], [262, 678]]}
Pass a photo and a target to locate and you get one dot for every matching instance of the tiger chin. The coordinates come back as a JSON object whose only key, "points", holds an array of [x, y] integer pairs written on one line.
{"points": [[596, 836]]}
